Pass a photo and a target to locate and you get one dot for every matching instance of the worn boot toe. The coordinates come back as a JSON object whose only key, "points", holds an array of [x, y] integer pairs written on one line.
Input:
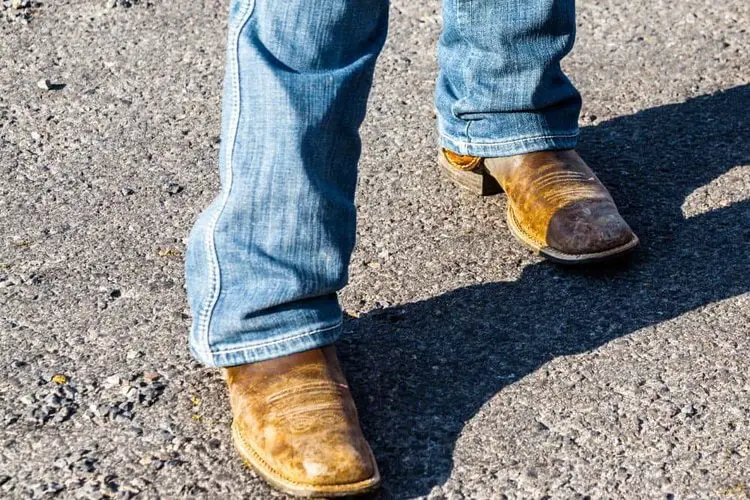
{"points": [[585, 227]]}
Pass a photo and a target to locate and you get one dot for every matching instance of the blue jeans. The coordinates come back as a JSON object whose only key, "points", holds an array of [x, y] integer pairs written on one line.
{"points": [[265, 260]]}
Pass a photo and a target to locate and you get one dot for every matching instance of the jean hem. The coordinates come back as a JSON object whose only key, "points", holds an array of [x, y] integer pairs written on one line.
{"points": [[285, 345], [510, 146]]}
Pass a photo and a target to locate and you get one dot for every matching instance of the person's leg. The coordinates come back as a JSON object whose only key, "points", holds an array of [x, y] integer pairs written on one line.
{"points": [[266, 258], [508, 119], [500, 90]]}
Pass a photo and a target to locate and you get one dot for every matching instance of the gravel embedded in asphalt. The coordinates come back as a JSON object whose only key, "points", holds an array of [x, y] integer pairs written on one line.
{"points": [[479, 370]]}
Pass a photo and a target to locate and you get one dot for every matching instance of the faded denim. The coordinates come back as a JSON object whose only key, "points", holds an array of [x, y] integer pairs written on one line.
{"points": [[267, 257]]}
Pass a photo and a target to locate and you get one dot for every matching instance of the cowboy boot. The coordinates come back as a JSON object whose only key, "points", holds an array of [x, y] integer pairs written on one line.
{"points": [[556, 204], [296, 424]]}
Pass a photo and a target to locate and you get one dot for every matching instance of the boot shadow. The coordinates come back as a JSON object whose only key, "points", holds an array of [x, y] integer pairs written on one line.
{"points": [[421, 370]]}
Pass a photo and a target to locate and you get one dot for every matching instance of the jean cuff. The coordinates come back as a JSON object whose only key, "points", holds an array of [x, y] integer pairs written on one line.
{"points": [[283, 345], [510, 146]]}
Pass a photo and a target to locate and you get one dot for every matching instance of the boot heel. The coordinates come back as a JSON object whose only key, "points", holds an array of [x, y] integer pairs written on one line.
{"points": [[477, 181]]}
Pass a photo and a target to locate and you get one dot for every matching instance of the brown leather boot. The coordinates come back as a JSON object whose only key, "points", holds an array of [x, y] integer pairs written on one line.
{"points": [[296, 424], [556, 204]]}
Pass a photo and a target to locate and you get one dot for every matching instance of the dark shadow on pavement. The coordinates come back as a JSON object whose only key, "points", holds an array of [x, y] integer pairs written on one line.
{"points": [[485, 337]]}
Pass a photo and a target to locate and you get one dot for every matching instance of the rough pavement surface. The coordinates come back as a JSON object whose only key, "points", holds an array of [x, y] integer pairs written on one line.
{"points": [[480, 370]]}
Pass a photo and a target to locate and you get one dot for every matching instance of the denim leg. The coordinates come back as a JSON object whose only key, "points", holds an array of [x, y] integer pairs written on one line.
{"points": [[266, 258], [500, 90]]}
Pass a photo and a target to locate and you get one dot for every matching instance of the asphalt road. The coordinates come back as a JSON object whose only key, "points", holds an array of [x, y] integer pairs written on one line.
{"points": [[480, 370]]}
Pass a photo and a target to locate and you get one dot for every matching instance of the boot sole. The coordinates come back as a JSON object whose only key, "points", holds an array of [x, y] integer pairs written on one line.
{"points": [[481, 183], [293, 488]]}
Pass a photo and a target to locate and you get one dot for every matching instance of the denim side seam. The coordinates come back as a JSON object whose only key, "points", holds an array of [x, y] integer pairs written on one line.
{"points": [[462, 25], [206, 312]]}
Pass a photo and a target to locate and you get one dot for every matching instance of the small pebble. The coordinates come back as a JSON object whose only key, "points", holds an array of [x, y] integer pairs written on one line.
{"points": [[172, 188], [10, 419], [44, 84], [52, 399], [112, 381], [133, 354], [28, 399]]}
